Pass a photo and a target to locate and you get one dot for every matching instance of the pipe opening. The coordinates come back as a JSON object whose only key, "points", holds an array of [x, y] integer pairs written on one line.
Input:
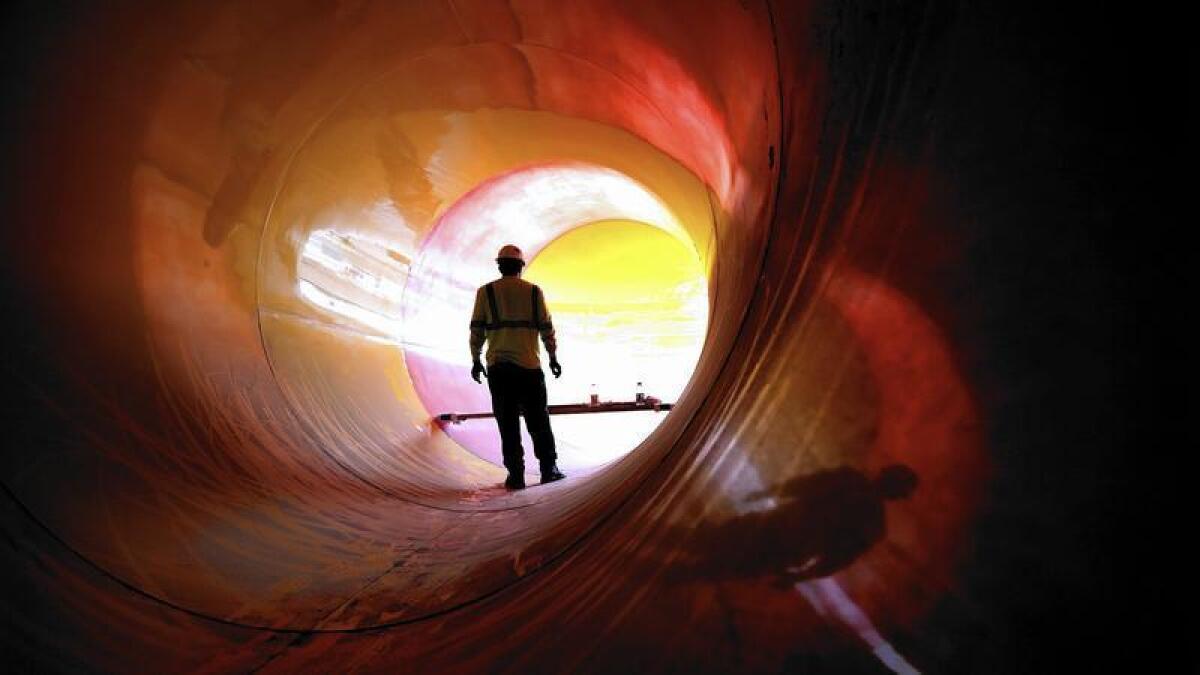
{"points": [[365, 285], [623, 282]]}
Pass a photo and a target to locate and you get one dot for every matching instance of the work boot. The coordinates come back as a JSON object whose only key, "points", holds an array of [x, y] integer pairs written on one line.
{"points": [[515, 481], [551, 474]]}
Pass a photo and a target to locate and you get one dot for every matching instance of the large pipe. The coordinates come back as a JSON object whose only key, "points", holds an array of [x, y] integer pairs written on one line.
{"points": [[213, 471]]}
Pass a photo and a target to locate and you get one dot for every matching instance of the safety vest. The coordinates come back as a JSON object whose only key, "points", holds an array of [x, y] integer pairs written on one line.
{"points": [[497, 323], [509, 338]]}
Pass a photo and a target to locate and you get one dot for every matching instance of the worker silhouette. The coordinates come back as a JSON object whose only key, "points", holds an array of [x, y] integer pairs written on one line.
{"points": [[822, 523], [509, 315]]}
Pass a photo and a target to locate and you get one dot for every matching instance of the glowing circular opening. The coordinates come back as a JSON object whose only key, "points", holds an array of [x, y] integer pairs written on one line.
{"points": [[622, 279], [366, 282]]}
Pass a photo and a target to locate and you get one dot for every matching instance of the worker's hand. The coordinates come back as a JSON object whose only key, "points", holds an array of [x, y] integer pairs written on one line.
{"points": [[477, 369], [555, 368]]}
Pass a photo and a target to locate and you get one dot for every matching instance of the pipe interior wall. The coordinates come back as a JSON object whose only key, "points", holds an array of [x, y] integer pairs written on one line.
{"points": [[214, 469]]}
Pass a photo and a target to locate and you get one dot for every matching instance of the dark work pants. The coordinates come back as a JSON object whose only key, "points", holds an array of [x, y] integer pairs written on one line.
{"points": [[517, 390]]}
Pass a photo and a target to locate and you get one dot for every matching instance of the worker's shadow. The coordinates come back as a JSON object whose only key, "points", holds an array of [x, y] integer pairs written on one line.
{"points": [[809, 527]]}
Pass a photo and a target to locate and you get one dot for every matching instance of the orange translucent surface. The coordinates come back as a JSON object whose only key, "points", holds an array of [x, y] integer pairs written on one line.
{"points": [[277, 216]]}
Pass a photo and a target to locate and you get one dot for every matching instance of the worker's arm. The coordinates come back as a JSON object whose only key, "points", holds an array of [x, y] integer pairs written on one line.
{"points": [[546, 329], [479, 321]]}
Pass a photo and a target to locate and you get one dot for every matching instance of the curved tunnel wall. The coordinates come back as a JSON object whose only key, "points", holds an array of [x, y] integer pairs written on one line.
{"points": [[212, 489]]}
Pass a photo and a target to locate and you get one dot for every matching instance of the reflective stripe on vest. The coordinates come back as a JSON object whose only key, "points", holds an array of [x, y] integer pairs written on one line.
{"points": [[498, 323]]}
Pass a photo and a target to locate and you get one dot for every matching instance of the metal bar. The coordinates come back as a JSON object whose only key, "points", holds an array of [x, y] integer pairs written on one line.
{"points": [[650, 404]]}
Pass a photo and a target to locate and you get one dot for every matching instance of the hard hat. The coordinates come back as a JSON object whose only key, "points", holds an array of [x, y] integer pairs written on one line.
{"points": [[511, 252]]}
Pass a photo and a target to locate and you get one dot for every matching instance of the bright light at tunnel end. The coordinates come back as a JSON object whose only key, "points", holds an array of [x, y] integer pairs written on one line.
{"points": [[621, 275]]}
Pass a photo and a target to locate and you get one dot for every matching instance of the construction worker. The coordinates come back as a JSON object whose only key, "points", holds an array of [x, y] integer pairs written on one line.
{"points": [[509, 315]]}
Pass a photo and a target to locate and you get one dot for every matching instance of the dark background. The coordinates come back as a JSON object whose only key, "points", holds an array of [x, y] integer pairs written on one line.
{"points": [[1057, 139]]}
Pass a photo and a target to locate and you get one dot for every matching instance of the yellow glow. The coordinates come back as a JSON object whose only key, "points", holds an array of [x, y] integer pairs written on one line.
{"points": [[616, 263], [630, 305]]}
